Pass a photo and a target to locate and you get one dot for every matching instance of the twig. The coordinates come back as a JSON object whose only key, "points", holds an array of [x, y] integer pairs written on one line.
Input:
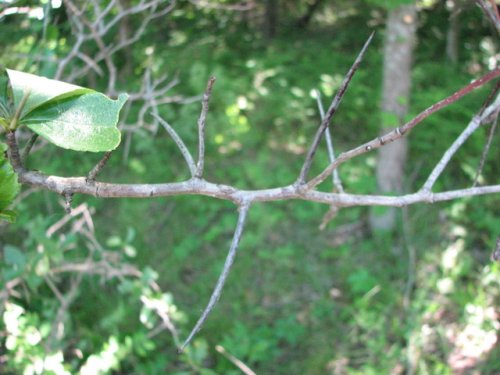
{"points": [[201, 127], [13, 151], [222, 278], [163, 314], [495, 254], [178, 141], [235, 361], [68, 200], [485, 151], [241, 7], [329, 144], [331, 111], [14, 121], [473, 125], [491, 12], [402, 130], [98, 167], [65, 302], [28, 147]]}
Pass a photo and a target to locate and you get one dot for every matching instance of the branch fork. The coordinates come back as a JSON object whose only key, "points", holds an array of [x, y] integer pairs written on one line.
{"points": [[301, 189]]}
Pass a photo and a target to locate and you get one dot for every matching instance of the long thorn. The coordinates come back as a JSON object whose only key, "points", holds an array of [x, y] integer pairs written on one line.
{"points": [[98, 167], [331, 111], [28, 147], [223, 276], [329, 144], [201, 127]]}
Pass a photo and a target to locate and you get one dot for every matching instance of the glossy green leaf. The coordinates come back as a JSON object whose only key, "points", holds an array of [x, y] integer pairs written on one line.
{"points": [[67, 115], [9, 187]]}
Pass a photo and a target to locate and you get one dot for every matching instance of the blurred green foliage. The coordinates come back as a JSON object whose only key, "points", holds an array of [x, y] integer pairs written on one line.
{"points": [[298, 301]]}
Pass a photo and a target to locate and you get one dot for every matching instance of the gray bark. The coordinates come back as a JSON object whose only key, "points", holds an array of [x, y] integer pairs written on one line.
{"points": [[398, 50]]}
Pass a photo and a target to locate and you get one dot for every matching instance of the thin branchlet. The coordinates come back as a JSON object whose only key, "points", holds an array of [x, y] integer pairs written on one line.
{"points": [[14, 122], [28, 147], [476, 122], [402, 130], [486, 149], [180, 144], [337, 183], [98, 167], [13, 152], [201, 127], [331, 112], [223, 276]]}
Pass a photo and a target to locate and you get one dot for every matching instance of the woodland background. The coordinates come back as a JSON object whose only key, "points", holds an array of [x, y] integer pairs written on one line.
{"points": [[111, 288]]}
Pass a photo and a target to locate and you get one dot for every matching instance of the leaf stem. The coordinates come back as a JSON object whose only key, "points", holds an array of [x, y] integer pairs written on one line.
{"points": [[14, 122]]}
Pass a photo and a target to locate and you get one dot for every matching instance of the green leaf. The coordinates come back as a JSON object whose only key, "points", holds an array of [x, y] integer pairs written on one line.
{"points": [[5, 99], [40, 89], [82, 123], [67, 115], [9, 187]]}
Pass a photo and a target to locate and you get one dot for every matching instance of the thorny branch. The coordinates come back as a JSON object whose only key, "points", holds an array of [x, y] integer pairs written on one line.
{"points": [[331, 112], [152, 94], [402, 130]]}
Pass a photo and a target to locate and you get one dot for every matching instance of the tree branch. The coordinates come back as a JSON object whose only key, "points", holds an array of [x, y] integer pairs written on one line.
{"points": [[331, 111], [223, 276], [471, 128], [402, 130], [79, 185]]}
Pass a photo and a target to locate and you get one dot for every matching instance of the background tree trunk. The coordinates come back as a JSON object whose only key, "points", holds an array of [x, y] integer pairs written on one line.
{"points": [[452, 35], [399, 43], [271, 18]]}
